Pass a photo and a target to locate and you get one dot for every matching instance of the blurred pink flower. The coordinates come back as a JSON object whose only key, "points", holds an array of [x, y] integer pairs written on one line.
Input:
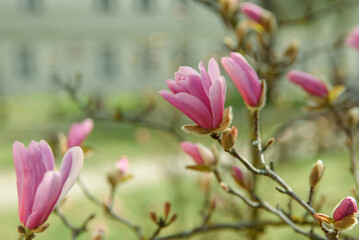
{"points": [[309, 83], [244, 77], [39, 186], [122, 165], [353, 38], [346, 208], [241, 178], [201, 155], [253, 11], [79, 132], [199, 96]]}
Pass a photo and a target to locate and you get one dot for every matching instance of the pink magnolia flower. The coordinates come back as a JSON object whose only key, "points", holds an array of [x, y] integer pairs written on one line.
{"points": [[79, 132], [199, 96], [201, 155], [39, 186], [346, 208], [353, 38], [253, 11], [122, 165], [244, 77], [309, 83], [243, 179]]}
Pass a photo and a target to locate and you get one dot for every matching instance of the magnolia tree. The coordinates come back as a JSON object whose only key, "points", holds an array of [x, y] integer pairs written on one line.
{"points": [[200, 95]]}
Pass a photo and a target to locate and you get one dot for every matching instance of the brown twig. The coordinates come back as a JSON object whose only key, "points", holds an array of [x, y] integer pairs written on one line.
{"points": [[75, 231], [109, 210]]}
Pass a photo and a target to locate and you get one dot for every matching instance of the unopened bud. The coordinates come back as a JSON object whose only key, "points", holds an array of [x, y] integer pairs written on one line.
{"points": [[260, 15], [229, 138], [98, 235], [173, 218], [292, 51], [243, 179], [224, 186], [153, 217], [345, 214], [316, 173], [228, 7], [353, 116], [167, 209]]}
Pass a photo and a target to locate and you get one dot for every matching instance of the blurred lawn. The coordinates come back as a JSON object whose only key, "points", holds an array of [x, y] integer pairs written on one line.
{"points": [[27, 118]]}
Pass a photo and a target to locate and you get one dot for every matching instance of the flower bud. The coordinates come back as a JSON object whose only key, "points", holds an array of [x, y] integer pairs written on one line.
{"points": [[353, 38], [260, 15], [309, 83], [229, 138], [292, 51], [316, 173], [201, 155], [243, 179], [345, 214], [353, 116], [228, 7], [98, 235], [119, 174]]}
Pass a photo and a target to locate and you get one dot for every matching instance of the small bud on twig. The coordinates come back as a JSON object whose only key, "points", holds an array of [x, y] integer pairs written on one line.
{"points": [[224, 186], [229, 138], [316, 173]]}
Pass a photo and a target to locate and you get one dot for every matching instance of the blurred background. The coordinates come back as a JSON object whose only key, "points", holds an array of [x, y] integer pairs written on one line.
{"points": [[116, 55]]}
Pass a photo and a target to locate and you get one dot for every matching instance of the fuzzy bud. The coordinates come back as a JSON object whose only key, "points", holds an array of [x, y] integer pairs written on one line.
{"points": [[292, 51], [353, 116], [229, 138], [243, 179], [98, 235], [316, 174], [345, 214], [228, 7]]}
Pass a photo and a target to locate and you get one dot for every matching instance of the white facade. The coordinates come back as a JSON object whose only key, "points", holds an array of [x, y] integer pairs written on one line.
{"points": [[116, 45]]}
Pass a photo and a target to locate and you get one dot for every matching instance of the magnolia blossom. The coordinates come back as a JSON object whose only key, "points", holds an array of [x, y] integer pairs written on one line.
{"points": [[244, 77], [199, 96], [79, 132], [39, 186], [201, 155], [241, 178], [353, 38], [253, 11], [122, 165], [309, 83], [120, 173], [346, 208]]}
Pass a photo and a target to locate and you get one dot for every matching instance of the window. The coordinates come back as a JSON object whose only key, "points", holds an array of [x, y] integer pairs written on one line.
{"points": [[105, 6], [31, 6], [145, 6], [25, 64], [107, 63]]}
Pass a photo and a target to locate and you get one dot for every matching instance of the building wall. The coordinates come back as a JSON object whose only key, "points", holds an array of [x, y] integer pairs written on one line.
{"points": [[115, 45]]}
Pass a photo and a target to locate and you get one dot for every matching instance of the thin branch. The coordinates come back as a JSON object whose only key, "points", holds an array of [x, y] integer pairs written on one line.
{"points": [[75, 231], [109, 210], [331, 8]]}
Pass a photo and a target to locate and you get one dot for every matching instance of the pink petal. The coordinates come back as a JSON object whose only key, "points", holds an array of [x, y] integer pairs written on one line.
{"points": [[191, 106], [206, 80], [237, 174], [122, 164], [45, 199], [43, 159], [79, 132], [308, 82], [242, 81], [184, 71], [353, 38], [195, 88], [192, 150], [252, 11], [217, 95], [213, 70], [70, 169], [347, 207], [26, 180], [174, 87]]}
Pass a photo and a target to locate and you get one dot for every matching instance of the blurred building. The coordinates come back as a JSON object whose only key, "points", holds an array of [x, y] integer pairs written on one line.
{"points": [[115, 45]]}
